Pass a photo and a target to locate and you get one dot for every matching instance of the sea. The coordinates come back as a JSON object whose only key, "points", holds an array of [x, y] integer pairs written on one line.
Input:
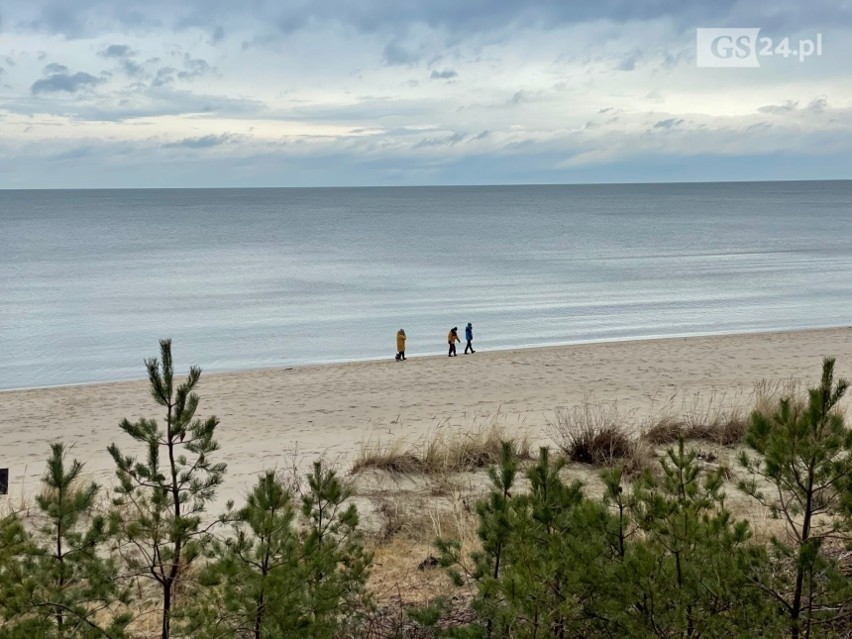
{"points": [[90, 280]]}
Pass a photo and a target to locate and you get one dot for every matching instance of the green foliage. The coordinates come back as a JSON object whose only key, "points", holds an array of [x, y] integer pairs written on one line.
{"points": [[65, 584], [689, 575], [248, 565], [276, 577], [15, 549], [666, 558], [664, 561], [806, 458], [539, 552], [428, 615], [333, 554], [160, 500]]}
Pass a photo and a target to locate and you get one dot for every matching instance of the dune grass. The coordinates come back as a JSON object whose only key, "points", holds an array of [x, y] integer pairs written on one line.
{"points": [[718, 417], [442, 451], [599, 435]]}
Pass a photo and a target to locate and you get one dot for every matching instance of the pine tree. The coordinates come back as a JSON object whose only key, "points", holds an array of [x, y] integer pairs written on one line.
{"points": [[494, 533], [547, 553], [665, 560], [542, 554], [162, 498], [689, 573], [282, 573], [66, 580], [804, 454], [15, 547], [332, 555], [256, 568]]}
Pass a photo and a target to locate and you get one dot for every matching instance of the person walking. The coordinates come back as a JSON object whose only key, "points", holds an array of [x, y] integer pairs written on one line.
{"points": [[400, 345], [452, 338], [468, 336]]}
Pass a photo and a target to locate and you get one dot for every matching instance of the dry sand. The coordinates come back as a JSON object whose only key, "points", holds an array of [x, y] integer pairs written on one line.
{"points": [[267, 415]]}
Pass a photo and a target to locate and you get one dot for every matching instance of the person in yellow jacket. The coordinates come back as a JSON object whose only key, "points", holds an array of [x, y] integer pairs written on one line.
{"points": [[400, 345], [452, 338]]}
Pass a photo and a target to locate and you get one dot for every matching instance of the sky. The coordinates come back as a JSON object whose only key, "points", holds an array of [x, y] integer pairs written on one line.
{"points": [[216, 93]]}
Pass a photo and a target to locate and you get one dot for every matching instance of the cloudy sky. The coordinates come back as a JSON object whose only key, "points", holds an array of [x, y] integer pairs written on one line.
{"points": [[158, 93]]}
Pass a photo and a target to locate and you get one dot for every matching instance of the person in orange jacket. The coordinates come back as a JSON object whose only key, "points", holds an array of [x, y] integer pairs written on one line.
{"points": [[400, 345], [452, 338]]}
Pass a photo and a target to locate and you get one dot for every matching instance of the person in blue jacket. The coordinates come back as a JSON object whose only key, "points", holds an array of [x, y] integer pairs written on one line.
{"points": [[468, 335]]}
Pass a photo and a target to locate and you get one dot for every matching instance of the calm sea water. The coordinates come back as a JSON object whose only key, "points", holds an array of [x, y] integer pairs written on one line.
{"points": [[90, 280]]}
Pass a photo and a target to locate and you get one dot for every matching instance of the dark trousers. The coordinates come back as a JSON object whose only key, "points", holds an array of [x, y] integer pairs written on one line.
{"points": [[469, 345], [400, 355], [452, 349]]}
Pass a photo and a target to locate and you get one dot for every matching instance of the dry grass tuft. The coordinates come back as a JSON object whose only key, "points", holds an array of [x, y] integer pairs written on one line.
{"points": [[387, 456], [718, 417], [461, 451], [598, 434], [420, 519], [666, 431], [724, 433], [767, 393], [443, 451]]}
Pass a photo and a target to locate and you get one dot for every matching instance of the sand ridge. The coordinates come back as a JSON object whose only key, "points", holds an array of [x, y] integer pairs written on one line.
{"points": [[330, 410]]}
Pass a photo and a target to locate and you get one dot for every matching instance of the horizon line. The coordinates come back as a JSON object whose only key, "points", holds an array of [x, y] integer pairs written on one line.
{"points": [[416, 186]]}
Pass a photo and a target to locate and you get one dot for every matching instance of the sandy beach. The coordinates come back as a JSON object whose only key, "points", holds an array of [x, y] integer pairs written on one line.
{"points": [[267, 416]]}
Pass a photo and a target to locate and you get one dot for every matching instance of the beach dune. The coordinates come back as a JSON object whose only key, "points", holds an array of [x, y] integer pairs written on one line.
{"points": [[271, 417]]}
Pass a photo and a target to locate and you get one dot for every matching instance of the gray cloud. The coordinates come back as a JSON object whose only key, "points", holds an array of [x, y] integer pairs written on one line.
{"points": [[724, 150], [777, 109], [818, 105], [370, 109], [204, 142], [117, 51], [447, 140], [628, 63], [164, 77], [55, 67], [193, 68], [395, 54], [131, 68], [375, 89], [74, 18], [54, 17], [64, 82], [139, 102], [75, 153], [758, 127], [669, 123], [446, 74]]}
